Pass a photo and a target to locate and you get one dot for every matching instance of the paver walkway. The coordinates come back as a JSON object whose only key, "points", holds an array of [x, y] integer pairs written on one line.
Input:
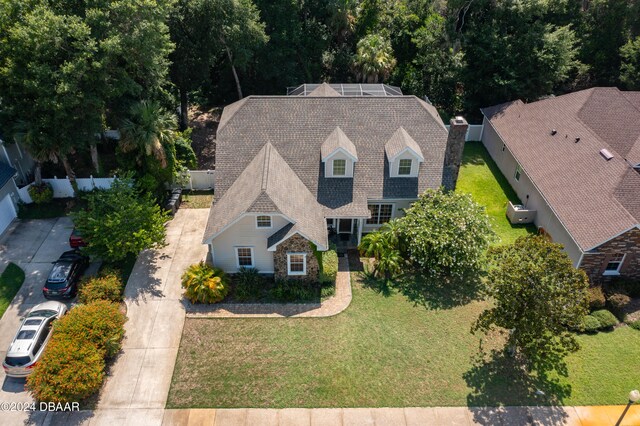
{"points": [[141, 376], [332, 306], [436, 416]]}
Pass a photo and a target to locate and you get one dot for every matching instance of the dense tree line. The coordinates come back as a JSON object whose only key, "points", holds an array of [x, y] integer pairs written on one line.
{"points": [[72, 68]]}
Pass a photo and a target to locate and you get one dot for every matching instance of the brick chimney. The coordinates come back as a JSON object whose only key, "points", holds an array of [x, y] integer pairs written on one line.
{"points": [[453, 154]]}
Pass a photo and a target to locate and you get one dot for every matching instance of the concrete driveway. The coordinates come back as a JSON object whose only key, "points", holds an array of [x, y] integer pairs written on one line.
{"points": [[32, 245]]}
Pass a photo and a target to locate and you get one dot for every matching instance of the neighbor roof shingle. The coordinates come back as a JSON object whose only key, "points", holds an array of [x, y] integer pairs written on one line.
{"points": [[577, 182]]}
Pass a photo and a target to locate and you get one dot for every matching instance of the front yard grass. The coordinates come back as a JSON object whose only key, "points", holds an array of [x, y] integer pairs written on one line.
{"points": [[382, 351], [196, 199], [10, 282], [481, 177]]}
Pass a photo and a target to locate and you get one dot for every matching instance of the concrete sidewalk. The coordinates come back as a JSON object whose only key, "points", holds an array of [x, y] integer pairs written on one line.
{"points": [[436, 416]]}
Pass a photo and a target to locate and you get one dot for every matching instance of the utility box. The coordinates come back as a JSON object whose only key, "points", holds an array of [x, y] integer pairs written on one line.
{"points": [[517, 213]]}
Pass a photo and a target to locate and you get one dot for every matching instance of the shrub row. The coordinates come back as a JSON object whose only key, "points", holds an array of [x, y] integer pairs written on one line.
{"points": [[41, 194], [73, 363], [598, 320], [328, 262], [107, 286]]}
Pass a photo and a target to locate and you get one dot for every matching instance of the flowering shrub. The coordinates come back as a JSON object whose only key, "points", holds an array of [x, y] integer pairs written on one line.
{"points": [[99, 323], [204, 284], [106, 287], [42, 193], [69, 371]]}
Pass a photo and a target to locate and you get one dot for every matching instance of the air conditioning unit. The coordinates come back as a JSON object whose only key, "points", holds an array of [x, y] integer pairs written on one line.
{"points": [[517, 213]]}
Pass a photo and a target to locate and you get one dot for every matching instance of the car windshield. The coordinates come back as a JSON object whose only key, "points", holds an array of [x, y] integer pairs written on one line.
{"points": [[60, 272], [46, 313], [33, 322], [17, 361], [25, 334]]}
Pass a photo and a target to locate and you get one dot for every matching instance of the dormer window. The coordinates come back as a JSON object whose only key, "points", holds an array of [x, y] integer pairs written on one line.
{"points": [[339, 155], [404, 155], [339, 167], [404, 167]]}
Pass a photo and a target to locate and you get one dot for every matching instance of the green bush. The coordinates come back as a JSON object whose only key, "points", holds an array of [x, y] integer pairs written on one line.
{"points": [[295, 291], [41, 194], [617, 302], [596, 298], [247, 284], [590, 324], [606, 318], [99, 323], [70, 370], [628, 286], [184, 152], [328, 262], [204, 284], [635, 325], [108, 286]]}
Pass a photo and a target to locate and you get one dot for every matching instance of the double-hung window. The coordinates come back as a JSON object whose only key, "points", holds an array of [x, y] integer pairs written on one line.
{"points": [[245, 257], [380, 213], [263, 221], [516, 176], [297, 263], [404, 167], [614, 264], [339, 167]]}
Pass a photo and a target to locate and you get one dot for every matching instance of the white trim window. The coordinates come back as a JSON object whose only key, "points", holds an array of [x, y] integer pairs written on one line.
{"points": [[518, 173], [404, 167], [614, 264], [263, 221], [339, 167], [244, 257], [380, 213], [297, 263]]}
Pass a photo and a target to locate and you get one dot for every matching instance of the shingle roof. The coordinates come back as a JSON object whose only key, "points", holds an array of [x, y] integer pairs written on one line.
{"points": [[269, 183], [297, 126], [6, 173], [400, 141], [337, 139], [591, 196]]}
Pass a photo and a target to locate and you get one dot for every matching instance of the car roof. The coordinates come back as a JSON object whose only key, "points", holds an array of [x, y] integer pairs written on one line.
{"points": [[21, 347]]}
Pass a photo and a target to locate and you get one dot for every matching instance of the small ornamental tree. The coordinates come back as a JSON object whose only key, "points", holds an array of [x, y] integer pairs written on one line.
{"points": [[383, 246], [538, 297], [120, 221], [445, 235]]}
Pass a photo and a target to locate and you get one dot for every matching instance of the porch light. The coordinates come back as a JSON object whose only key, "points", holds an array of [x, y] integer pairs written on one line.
{"points": [[634, 396]]}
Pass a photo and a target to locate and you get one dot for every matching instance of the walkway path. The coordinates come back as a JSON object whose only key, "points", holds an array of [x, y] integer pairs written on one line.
{"points": [[332, 306], [141, 376], [437, 416]]}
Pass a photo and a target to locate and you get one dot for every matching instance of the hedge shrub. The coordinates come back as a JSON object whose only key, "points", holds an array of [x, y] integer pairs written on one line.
{"points": [[70, 370], [99, 323], [596, 298], [295, 291], [328, 266], [617, 302], [204, 283], [635, 325], [41, 194], [590, 324], [106, 287], [607, 319], [247, 284]]}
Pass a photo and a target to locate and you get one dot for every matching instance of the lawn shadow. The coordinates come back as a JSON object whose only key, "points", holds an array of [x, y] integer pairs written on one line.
{"points": [[498, 380], [379, 285], [439, 294]]}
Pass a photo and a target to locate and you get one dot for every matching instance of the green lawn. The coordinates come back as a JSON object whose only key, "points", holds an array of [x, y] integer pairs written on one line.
{"points": [[480, 177], [386, 351], [10, 281]]}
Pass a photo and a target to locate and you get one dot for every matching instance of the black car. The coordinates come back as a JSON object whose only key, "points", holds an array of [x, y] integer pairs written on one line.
{"points": [[64, 276]]}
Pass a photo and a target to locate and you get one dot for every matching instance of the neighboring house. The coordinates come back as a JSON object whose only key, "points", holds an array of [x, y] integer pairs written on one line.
{"points": [[317, 167], [14, 155], [575, 159], [8, 196]]}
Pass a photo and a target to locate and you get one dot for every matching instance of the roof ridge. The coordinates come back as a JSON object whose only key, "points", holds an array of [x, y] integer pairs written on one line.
{"points": [[265, 167]]}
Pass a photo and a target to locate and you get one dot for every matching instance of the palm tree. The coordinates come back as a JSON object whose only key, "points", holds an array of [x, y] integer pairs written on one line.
{"points": [[148, 131], [374, 59], [382, 245]]}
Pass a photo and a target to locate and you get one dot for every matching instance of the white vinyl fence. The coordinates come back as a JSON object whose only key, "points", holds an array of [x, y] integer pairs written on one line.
{"points": [[62, 187], [199, 180], [474, 132]]}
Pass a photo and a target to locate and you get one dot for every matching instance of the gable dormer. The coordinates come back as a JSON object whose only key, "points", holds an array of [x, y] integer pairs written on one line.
{"points": [[404, 155], [339, 155]]}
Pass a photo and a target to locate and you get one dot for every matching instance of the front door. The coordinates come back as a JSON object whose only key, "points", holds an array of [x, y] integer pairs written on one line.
{"points": [[345, 226]]}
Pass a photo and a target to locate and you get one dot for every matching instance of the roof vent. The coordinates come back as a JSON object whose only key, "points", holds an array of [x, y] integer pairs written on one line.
{"points": [[553, 132], [577, 139], [606, 154]]}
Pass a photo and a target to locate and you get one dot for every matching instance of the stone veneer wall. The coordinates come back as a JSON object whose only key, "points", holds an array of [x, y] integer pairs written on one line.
{"points": [[295, 244], [594, 263]]}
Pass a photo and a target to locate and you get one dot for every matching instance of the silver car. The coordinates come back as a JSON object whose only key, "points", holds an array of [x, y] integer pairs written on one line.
{"points": [[32, 337]]}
